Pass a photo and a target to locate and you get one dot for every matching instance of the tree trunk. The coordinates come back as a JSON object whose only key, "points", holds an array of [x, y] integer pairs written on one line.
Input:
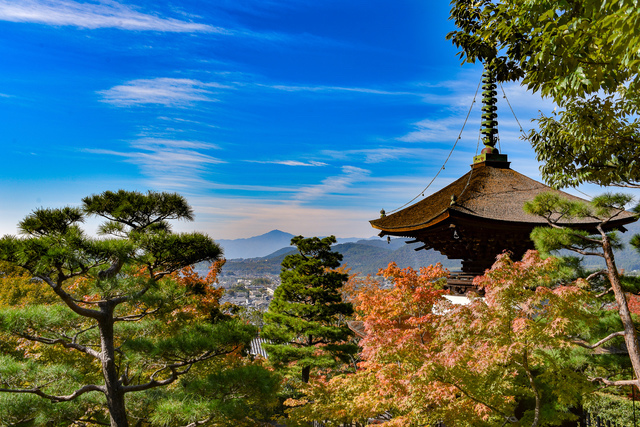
{"points": [[630, 336], [306, 370], [114, 391]]}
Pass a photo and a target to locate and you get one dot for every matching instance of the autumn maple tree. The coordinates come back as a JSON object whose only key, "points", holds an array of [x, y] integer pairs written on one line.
{"points": [[509, 357], [399, 324], [119, 321]]}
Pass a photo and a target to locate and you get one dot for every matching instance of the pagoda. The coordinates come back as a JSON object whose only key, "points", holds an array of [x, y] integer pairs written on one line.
{"points": [[481, 214]]}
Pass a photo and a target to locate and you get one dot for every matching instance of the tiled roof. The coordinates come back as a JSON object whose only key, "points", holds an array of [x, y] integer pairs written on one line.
{"points": [[357, 327], [256, 347], [486, 192]]}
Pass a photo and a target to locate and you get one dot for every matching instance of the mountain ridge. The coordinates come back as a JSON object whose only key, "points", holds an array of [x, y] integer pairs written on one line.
{"points": [[363, 256], [263, 245], [264, 253]]}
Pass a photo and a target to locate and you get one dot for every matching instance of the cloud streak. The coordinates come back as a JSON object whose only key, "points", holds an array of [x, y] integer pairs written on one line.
{"points": [[289, 162], [234, 218], [384, 154], [165, 91], [168, 163], [333, 185], [105, 14], [289, 88]]}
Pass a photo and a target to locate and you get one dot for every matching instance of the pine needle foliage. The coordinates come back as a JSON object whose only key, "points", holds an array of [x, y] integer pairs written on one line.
{"points": [[562, 233], [92, 327], [305, 322]]}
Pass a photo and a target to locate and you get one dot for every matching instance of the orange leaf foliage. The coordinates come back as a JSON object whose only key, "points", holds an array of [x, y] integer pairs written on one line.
{"points": [[426, 360], [207, 296]]}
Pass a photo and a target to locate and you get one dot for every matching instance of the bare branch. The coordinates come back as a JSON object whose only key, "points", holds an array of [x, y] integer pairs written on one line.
{"points": [[198, 423], [112, 271], [124, 298], [507, 418], [601, 294], [36, 390], [175, 372], [64, 343], [75, 337], [585, 344], [536, 393], [90, 421], [608, 382], [592, 276], [69, 301], [134, 317], [583, 252]]}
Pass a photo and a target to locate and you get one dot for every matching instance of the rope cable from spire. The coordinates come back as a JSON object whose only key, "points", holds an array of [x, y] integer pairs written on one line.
{"points": [[450, 153]]}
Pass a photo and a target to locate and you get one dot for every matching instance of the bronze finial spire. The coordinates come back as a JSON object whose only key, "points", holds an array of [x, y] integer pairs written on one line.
{"points": [[489, 129], [489, 123]]}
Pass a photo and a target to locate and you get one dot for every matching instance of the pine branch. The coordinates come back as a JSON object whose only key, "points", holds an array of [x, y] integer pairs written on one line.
{"points": [[197, 423], [617, 383], [68, 300], [66, 344], [175, 371], [36, 390], [585, 344]]}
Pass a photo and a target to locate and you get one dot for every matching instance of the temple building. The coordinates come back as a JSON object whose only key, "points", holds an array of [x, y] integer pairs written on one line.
{"points": [[481, 214]]}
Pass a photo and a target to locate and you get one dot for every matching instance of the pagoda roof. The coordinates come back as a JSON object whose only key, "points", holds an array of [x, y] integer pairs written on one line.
{"points": [[489, 192]]}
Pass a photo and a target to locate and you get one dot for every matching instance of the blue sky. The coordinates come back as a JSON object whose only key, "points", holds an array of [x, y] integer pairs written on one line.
{"points": [[305, 116]]}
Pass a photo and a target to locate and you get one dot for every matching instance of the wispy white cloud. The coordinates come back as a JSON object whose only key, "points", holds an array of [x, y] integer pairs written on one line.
{"points": [[429, 130], [168, 163], [289, 162], [384, 154], [104, 14], [334, 184], [186, 121], [176, 144], [290, 88], [164, 91]]}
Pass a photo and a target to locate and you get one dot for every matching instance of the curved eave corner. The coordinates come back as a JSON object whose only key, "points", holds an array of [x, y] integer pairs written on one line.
{"points": [[402, 230]]}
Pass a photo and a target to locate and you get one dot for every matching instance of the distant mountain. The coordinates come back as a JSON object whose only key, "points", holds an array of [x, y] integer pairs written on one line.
{"points": [[263, 245], [263, 254], [257, 246], [362, 256]]}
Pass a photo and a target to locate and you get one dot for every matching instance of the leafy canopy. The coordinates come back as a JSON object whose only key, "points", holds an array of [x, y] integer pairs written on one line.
{"points": [[584, 55]]}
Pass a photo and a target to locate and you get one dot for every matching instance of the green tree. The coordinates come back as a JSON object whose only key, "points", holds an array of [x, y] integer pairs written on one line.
{"points": [[602, 209], [583, 54], [123, 321], [305, 320]]}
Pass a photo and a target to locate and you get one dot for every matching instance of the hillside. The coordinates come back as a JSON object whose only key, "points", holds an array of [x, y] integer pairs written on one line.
{"points": [[262, 246], [368, 256], [363, 256]]}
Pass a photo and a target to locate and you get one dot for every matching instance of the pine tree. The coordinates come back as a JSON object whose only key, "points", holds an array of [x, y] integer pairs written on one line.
{"points": [[121, 323], [602, 208], [305, 321]]}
